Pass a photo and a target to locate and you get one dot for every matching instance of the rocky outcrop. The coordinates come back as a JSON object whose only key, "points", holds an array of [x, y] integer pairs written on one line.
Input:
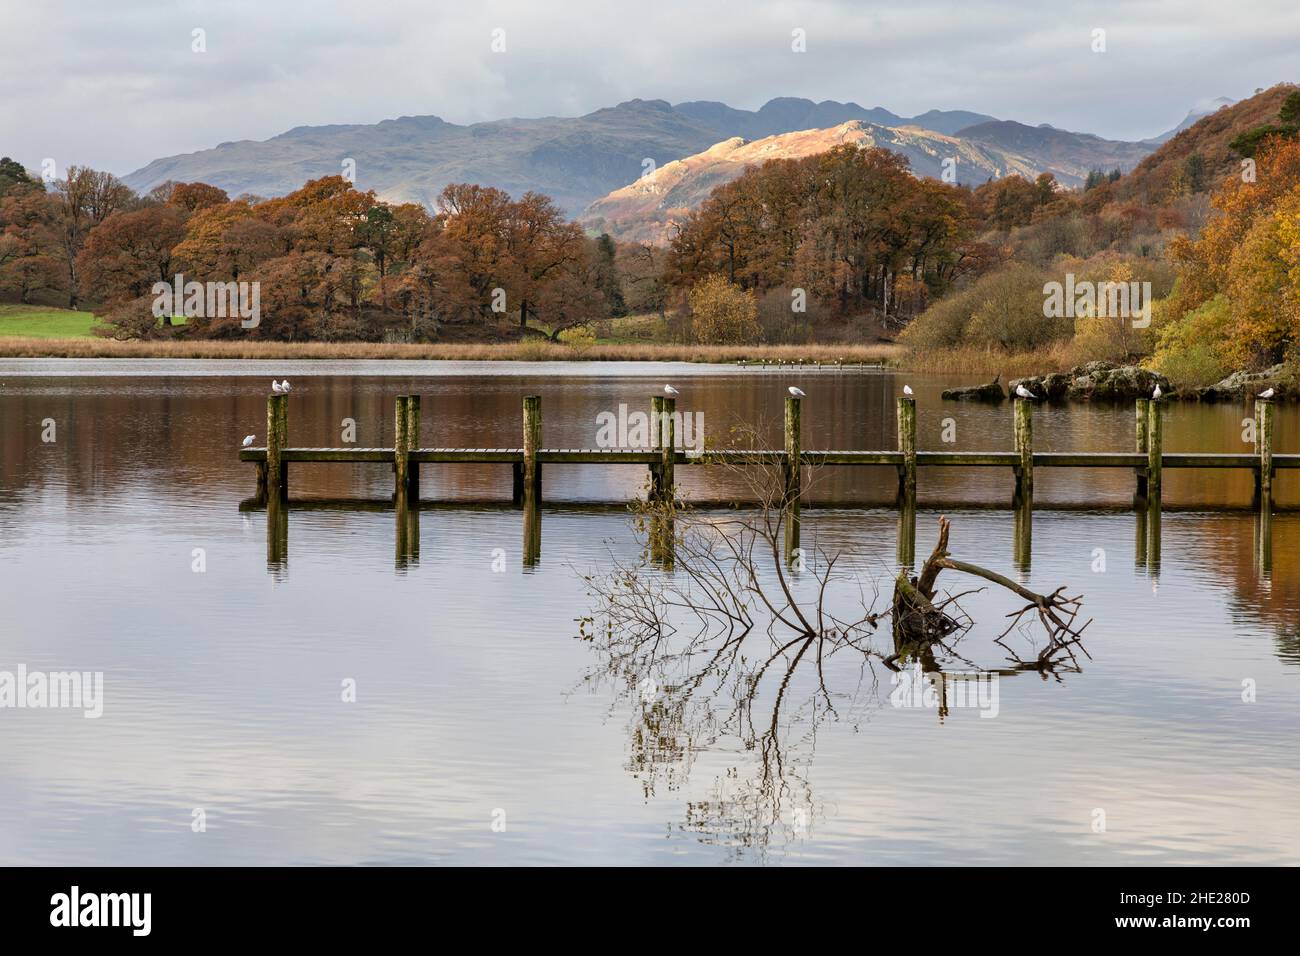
{"points": [[1096, 382], [1240, 385], [990, 392]]}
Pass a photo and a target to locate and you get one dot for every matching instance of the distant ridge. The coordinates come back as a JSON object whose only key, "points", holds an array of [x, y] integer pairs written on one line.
{"points": [[574, 160]]}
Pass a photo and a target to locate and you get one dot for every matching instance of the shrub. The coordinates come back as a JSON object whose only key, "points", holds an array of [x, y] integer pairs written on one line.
{"points": [[1189, 351], [723, 314]]}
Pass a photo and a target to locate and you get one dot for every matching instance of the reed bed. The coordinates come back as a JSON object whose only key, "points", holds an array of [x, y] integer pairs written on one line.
{"points": [[529, 351]]}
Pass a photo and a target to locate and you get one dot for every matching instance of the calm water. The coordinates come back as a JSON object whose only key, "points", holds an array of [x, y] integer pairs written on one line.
{"points": [[476, 700]]}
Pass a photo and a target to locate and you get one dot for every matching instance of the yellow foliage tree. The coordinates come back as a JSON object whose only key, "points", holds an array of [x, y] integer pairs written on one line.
{"points": [[722, 313]]}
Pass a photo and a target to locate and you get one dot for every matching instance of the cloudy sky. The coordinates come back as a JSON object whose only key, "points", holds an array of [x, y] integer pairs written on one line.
{"points": [[116, 84]]}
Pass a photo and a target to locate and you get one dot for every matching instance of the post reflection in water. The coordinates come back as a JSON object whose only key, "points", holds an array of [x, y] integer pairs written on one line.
{"points": [[906, 552], [277, 537], [406, 519], [1023, 534], [1154, 516], [532, 512], [1264, 543]]}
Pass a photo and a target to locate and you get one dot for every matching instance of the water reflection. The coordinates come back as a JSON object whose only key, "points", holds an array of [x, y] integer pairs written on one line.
{"points": [[722, 648], [96, 537]]}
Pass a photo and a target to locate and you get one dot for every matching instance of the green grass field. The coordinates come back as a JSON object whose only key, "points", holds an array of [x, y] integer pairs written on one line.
{"points": [[44, 322]]}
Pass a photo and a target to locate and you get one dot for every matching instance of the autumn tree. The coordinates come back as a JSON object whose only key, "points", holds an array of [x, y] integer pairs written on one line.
{"points": [[82, 200], [723, 313]]}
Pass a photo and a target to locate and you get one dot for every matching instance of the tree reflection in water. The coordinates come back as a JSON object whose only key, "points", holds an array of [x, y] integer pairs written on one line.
{"points": [[729, 653]]}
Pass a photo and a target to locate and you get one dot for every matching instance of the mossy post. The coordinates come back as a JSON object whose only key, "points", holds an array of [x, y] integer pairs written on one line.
{"points": [[792, 467], [400, 458], [412, 443], [656, 468], [1155, 451], [667, 428], [1264, 436], [907, 445], [1143, 407], [1024, 431], [532, 442], [277, 433], [793, 450]]}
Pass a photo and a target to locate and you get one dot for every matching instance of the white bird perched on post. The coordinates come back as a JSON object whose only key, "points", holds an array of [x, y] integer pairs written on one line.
{"points": [[1268, 392], [275, 387], [1157, 393], [1026, 394], [907, 389], [248, 440], [284, 386], [796, 392], [669, 390]]}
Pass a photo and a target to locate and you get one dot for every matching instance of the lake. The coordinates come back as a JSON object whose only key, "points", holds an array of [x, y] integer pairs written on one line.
{"points": [[368, 686]]}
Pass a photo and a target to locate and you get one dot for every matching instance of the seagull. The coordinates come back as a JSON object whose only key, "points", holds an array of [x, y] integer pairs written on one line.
{"points": [[1026, 394], [284, 386], [275, 387], [248, 440], [1157, 393], [796, 392], [669, 390], [907, 389], [1267, 393]]}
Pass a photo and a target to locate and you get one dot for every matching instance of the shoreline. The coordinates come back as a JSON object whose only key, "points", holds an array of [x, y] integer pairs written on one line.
{"points": [[531, 351]]}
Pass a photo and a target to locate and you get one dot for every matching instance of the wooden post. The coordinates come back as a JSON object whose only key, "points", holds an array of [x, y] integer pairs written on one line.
{"points": [[412, 443], [1024, 429], [277, 433], [532, 441], [517, 482], [1264, 435], [793, 469], [1155, 451], [1143, 407], [792, 451], [667, 428], [656, 433], [400, 424], [907, 445]]}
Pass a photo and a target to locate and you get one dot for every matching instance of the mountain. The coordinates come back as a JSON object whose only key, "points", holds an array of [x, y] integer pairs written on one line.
{"points": [[790, 114], [411, 159], [1192, 117], [1068, 156], [1153, 179], [576, 160], [646, 209]]}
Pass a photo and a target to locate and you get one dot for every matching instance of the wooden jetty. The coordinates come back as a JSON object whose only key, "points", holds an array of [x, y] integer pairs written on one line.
{"points": [[1147, 461]]}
